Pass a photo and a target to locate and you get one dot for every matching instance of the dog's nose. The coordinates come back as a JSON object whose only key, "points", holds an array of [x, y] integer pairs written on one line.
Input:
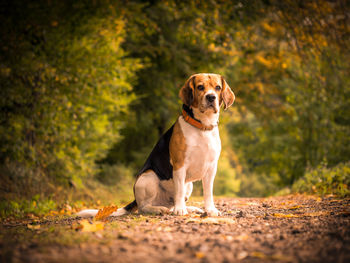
{"points": [[210, 97]]}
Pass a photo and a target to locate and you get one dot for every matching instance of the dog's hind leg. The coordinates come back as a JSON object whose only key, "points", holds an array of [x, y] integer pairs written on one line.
{"points": [[147, 193], [151, 209]]}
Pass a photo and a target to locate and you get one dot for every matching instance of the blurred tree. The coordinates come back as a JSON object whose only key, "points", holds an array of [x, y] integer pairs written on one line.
{"points": [[78, 79], [293, 86], [65, 87]]}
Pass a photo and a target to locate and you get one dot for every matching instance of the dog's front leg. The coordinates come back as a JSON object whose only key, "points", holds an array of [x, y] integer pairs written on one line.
{"points": [[179, 177], [208, 182]]}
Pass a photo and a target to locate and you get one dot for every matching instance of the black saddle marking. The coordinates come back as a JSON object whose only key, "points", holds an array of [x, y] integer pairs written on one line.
{"points": [[159, 159]]}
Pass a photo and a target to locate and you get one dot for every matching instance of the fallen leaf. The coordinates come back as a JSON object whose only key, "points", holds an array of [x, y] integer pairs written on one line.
{"points": [[91, 227], [294, 207], [257, 254], [33, 227], [211, 220], [314, 214], [167, 229], [279, 257], [105, 212], [53, 213], [241, 237], [253, 203], [199, 255], [284, 215], [228, 238], [241, 255]]}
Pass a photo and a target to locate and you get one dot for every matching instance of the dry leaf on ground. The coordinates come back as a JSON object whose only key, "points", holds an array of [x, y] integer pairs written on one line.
{"points": [[33, 227], [294, 207], [199, 255], [211, 220], [91, 226], [105, 212], [284, 215]]}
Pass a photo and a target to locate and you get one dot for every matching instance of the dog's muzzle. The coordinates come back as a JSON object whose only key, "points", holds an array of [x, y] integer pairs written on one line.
{"points": [[209, 102], [210, 98]]}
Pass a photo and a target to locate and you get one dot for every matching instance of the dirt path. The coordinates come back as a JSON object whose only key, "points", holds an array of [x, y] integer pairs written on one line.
{"points": [[278, 229]]}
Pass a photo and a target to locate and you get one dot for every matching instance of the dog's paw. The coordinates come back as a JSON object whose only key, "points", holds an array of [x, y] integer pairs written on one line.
{"points": [[180, 211], [193, 209], [162, 210], [213, 212]]}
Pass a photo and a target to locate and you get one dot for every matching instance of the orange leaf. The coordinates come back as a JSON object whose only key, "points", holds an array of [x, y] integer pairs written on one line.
{"points": [[105, 212], [199, 255]]}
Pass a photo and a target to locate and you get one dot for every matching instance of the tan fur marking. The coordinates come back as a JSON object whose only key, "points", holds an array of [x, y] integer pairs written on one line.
{"points": [[138, 176], [228, 96], [177, 147], [209, 81]]}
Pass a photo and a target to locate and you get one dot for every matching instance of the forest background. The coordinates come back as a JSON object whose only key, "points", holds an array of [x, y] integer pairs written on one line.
{"points": [[87, 88]]}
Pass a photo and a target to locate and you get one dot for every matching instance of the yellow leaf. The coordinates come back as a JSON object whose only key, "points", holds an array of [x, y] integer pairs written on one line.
{"points": [[53, 213], [257, 254], [34, 227], [105, 212], [211, 220], [284, 215], [91, 227], [314, 214]]}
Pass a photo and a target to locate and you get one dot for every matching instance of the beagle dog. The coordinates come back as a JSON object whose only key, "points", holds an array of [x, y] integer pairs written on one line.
{"points": [[187, 152]]}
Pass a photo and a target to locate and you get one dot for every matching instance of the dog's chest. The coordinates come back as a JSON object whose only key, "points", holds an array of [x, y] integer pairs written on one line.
{"points": [[202, 151]]}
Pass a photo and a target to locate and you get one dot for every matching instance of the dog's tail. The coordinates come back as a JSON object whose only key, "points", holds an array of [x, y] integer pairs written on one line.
{"points": [[121, 211]]}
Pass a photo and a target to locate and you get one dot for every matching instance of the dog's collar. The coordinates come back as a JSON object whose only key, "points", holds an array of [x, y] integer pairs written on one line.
{"points": [[188, 116]]}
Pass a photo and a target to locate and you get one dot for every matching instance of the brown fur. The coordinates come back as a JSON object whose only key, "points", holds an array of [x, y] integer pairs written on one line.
{"points": [[177, 147], [186, 92], [227, 95], [191, 95]]}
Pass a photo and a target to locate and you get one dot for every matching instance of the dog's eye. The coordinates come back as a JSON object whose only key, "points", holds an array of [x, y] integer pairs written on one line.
{"points": [[200, 87], [218, 88]]}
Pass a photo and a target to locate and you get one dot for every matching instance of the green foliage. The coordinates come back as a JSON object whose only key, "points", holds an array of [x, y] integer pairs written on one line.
{"points": [[324, 180], [226, 181], [119, 176], [292, 91], [66, 87], [253, 185], [85, 83], [36, 206]]}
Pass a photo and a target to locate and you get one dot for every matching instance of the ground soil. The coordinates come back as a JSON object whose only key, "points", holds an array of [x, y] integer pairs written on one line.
{"points": [[277, 229]]}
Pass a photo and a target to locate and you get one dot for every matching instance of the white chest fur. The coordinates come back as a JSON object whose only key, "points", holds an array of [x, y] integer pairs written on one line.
{"points": [[202, 151]]}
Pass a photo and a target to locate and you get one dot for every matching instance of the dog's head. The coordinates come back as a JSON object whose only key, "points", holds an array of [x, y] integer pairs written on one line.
{"points": [[207, 92]]}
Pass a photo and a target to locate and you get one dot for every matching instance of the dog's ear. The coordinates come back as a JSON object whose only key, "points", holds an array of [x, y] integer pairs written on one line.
{"points": [[227, 94], [187, 90]]}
